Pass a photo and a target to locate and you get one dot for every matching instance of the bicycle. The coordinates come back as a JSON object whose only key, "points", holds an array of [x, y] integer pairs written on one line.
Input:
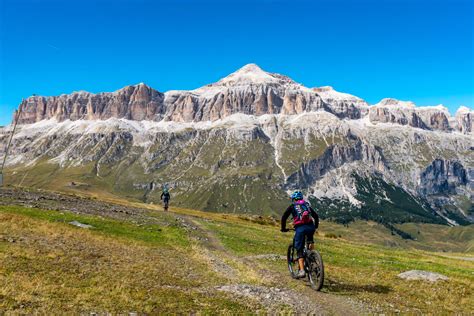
{"points": [[313, 265]]}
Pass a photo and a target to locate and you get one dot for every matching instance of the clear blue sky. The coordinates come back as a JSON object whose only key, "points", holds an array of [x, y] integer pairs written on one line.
{"points": [[411, 50]]}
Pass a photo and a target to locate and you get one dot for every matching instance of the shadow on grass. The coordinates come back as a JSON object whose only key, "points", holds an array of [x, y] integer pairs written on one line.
{"points": [[341, 287]]}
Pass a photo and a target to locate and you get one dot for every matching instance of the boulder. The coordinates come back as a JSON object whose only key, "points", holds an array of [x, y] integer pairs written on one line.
{"points": [[422, 275]]}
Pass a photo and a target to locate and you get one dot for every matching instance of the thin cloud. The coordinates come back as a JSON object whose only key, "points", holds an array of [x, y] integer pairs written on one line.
{"points": [[52, 46]]}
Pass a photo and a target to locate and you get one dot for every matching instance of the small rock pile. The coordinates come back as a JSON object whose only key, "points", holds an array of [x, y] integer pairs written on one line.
{"points": [[272, 298]]}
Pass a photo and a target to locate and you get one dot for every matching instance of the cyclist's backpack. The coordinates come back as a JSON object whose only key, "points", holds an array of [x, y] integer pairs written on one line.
{"points": [[301, 214]]}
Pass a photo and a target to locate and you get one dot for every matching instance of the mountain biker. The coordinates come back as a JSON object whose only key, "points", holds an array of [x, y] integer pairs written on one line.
{"points": [[165, 197], [305, 222]]}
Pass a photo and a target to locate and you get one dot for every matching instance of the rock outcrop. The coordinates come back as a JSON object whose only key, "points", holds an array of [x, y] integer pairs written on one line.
{"points": [[138, 102], [435, 117], [442, 177], [342, 104], [465, 120], [334, 157], [405, 113]]}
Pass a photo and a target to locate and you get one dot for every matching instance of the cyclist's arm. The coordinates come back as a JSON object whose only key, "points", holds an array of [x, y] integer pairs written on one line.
{"points": [[285, 217], [315, 216]]}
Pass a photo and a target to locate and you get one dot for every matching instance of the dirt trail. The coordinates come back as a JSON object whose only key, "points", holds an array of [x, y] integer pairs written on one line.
{"points": [[273, 294], [247, 277]]}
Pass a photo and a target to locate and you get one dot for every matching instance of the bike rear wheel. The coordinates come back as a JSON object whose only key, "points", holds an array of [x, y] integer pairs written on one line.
{"points": [[315, 270], [292, 259]]}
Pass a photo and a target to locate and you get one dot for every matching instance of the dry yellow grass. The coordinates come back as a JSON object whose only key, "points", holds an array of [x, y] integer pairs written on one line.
{"points": [[53, 268]]}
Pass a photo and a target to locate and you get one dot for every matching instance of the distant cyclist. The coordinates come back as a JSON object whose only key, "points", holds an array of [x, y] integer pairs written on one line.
{"points": [[165, 197], [305, 222]]}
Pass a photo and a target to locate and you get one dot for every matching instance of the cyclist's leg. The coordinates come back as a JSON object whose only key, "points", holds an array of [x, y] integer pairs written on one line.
{"points": [[299, 245], [298, 241], [310, 237]]}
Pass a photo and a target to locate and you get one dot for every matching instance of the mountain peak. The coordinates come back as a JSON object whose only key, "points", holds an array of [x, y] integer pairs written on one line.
{"points": [[463, 109], [390, 102], [134, 87], [252, 74], [250, 68]]}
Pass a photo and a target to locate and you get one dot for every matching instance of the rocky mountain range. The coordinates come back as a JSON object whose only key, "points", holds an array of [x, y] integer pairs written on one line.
{"points": [[240, 144]]}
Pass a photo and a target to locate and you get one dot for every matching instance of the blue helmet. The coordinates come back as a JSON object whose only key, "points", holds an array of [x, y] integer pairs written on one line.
{"points": [[297, 195]]}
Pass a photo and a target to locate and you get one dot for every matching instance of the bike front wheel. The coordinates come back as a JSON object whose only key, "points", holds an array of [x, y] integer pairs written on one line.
{"points": [[292, 259], [315, 270]]}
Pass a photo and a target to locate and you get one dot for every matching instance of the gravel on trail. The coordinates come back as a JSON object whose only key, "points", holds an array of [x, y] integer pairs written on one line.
{"points": [[274, 298]]}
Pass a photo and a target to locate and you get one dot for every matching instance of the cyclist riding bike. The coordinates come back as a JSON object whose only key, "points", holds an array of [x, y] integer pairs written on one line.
{"points": [[165, 197], [305, 222]]}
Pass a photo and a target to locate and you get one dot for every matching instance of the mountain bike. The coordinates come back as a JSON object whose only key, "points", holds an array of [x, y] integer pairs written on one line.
{"points": [[165, 204], [313, 265]]}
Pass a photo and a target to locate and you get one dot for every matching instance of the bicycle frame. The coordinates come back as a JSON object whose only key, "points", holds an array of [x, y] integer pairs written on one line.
{"points": [[313, 265]]}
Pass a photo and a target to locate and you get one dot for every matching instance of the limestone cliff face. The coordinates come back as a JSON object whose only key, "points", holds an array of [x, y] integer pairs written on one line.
{"points": [[435, 118], [443, 177], [342, 105], [336, 156], [253, 99], [405, 113], [465, 120], [138, 102], [249, 90]]}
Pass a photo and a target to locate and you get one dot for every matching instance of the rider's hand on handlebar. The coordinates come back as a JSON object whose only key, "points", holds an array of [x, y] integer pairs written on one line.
{"points": [[284, 230]]}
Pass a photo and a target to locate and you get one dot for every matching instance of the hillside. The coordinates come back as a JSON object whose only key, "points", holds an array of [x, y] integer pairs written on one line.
{"points": [[137, 258]]}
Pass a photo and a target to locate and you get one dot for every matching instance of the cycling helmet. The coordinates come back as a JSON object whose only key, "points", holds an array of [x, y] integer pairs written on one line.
{"points": [[297, 195]]}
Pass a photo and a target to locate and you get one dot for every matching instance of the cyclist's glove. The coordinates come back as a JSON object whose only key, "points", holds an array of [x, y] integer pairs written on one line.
{"points": [[284, 230]]}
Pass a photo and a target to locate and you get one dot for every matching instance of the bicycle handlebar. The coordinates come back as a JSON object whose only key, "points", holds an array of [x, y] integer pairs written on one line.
{"points": [[292, 229]]}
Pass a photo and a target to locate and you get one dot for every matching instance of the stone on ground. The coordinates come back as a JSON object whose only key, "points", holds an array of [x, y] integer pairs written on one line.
{"points": [[422, 275], [79, 224]]}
